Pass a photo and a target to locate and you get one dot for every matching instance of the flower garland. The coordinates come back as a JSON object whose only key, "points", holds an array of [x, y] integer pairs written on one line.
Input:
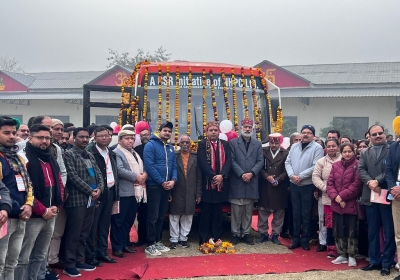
{"points": [[218, 248], [135, 108], [146, 88], [235, 109], [245, 101], [276, 125], [167, 90], [224, 88], [177, 87], [159, 95], [203, 81], [256, 109], [213, 99], [189, 109]]}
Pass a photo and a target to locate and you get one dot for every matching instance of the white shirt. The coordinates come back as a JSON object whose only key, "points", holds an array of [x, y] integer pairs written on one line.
{"points": [[109, 171]]}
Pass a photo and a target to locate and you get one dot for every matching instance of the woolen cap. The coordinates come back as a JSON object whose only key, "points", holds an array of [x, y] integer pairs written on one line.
{"points": [[310, 127], [167, 124], [126, 133]]}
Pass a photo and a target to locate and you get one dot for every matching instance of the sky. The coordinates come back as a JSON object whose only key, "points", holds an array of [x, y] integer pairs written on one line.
{"points": [[75, 35]]}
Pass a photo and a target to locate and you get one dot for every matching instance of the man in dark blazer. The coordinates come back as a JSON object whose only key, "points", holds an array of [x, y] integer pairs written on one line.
{"points": [[247, 162], [185, 194], [214, 159], [273, 187], [372, 171]]}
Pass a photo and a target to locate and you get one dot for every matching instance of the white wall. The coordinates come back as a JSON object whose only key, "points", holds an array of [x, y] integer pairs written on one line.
{"points": [[321, 110]]}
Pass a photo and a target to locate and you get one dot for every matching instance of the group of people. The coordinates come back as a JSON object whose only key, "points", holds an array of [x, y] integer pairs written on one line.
{"points": [[64, 190]]}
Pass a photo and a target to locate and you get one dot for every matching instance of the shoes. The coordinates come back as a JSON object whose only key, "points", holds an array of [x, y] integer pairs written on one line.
{"points": [[152, 251], [173, 245], [371, 267], [275, 240], [321, 248], [340, 260], [385, 271], [294, 245], [262, 238], [305, 246], [286, 235], [85, 267], [129, 250], [353, 262], [397, 278], [106, 259], [58, 265], [235, 240], [136, 244], [313, 242], [360, 257], [119, 254], [160, 247], [51, 275], [71, 272], [246, 239], [184, 244], [93, 262], [397, 267]]}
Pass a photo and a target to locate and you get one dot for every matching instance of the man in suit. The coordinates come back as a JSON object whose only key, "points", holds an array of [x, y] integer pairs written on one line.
{"points": [[214, 158], [372, 171], [185, 195], [84, 181], [247, 162], [273, 189]]}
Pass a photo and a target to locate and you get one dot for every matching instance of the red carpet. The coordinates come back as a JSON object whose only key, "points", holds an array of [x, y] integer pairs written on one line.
{"points": [[214, 265]]}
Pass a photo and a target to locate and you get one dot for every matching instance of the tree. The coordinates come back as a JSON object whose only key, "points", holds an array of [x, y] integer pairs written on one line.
{"points": [[338, 124], [125, 60], [10, 64], [288, 128]]}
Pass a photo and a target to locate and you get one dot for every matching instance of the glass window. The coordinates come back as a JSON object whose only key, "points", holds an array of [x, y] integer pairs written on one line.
{"points": [[105, 119], [64, 119], [359, 125]]}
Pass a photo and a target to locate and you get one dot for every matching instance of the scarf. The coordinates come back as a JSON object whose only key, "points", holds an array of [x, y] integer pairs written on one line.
{"points": [[34, 155], [17, 164], [136, 166], [212, 160]]}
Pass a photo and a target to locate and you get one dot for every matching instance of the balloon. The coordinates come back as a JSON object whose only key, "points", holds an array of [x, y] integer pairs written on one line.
{"points": [[116, 129], [113, 124], [225, 126], [286, 142], [231, 135], [223, 136], [140, 126], [137, 141]]}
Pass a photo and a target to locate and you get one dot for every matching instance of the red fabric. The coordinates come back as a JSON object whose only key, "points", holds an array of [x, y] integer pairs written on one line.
{"points": [[344, 181], [213, 159]]}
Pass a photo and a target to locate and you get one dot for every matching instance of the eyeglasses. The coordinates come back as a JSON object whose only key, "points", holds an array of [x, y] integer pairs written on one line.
{"points": [[103, 136], [377, 133], [145, 134], [305, 132], [185, 142], [363, 147], [41, 138]]}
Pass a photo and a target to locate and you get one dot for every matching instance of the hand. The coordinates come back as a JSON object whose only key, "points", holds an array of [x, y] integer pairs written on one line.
{"points": [[270, 179], [338, 199], [217, 179], [246, 177], [316, 195], [145, 176], [372, 184], [165, 185], [140, 178], [3, 217], [49, 215], [396, 193], [198, 200], [54, 209], [96, 194], [377, 190], [296, 179], [343, 204], [26, 212]]}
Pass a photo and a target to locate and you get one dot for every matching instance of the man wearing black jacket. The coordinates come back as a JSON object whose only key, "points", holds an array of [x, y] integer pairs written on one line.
{"points": [[106, 161]]}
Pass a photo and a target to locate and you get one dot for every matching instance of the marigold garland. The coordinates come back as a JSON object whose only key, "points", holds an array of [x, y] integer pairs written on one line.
{"points": [[235, 109], [177, 87], [217, 248], [224, 88], [189, 109], [213, 99], [256, 109], [159, 95], [245, 101], [203, 81], [146, 88], [167, 91]]}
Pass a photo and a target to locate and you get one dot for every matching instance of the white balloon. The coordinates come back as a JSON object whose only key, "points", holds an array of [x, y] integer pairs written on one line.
{"points": [[113, 124], [137, 141], [223, 136], [286, 142], [225, 126]]}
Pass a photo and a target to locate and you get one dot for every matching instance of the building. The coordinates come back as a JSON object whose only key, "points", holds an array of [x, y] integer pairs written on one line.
{"points": [[359, 93]]}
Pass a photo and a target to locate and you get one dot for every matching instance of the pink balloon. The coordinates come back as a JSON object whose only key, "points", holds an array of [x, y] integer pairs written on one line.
{"points": [[140, 126], [231, 135]]}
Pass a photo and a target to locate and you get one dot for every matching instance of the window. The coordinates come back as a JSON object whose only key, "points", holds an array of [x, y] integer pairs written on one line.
{"points": [[105, 119], [14, 116], [64, 119], [289, 125], [359, 125]]}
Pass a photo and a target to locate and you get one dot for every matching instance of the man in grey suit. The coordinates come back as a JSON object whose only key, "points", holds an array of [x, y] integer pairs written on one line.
{"points": [[247, 162]]}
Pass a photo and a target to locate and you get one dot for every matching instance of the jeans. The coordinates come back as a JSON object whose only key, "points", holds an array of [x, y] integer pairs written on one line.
{"points": [[157, 200], [302, 203], [10, 247], [35, 245]]}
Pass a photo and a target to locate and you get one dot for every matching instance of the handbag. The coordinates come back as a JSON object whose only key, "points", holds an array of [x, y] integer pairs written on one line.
{"points": [[361, 214]]}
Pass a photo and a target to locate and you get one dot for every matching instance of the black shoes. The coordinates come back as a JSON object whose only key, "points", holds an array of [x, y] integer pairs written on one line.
{"points": [[275, 240], [173, 245], [106, 259], [119, 254], [246, 239], [129, 250], [294, 245], [286, 235], [235, 240], [305, 246], [263, 238], [94, 262], [321, 248], [385, 271], [371, 267]]}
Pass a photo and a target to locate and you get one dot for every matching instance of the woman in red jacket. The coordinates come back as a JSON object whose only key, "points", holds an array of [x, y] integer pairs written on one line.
{"points": [[343, 187]]}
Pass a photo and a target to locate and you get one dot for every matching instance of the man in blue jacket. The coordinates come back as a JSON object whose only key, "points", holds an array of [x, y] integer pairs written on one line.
{"points": [[160, 165]]}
